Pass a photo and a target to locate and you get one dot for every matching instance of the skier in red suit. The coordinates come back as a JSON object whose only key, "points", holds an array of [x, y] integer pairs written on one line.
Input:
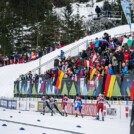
{"points": [[65, 100], [100, 104]]}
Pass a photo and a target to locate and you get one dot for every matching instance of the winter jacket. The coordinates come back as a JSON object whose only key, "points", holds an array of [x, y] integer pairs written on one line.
{"points": [[114, 61], [110, 71], [78, 63], [97, 9], [120, 56], [62, 54], [126, 56], [96, 42], [125, 70], [84, 54]]}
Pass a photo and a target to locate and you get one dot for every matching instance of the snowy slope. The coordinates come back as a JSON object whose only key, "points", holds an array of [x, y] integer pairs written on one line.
{"points": [[87, 124], [9, 74]]}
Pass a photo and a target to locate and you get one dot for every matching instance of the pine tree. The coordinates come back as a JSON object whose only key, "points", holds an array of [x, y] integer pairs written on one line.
{"points": [[79, 29], [67, 25]]}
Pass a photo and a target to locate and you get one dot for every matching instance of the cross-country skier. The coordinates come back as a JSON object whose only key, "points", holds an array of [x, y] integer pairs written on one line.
{"points": [[100, 104], [53, 104], [46, 104], [78, 105], [65, 100]]}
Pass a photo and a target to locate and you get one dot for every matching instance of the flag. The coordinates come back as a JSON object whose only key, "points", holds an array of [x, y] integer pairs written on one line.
{"points": [[125, 40], [94, 57], [40, 85], [86, 63], [132, 92], [33, 55], [109, 85], [92, 73], [43, 86], [126, 9], [58, 79], [130, 42]]}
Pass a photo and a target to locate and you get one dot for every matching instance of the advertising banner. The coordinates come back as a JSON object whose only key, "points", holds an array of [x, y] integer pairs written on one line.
{"points": [[71, 87], [33, 105], [22, 105], [132, 120], [14, 104], [4, 103], [87, 109]]}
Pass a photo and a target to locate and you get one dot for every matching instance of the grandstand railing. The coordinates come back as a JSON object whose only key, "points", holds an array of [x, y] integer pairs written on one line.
{"points": [[126, 33], [113, 15]]}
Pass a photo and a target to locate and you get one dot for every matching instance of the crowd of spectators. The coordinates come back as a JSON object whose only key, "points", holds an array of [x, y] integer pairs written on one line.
{"points": [[107, 56], [26, 57]]}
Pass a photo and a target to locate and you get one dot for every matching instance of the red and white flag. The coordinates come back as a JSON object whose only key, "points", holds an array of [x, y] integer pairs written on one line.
{"points": [[86, 63], [94, 57]]}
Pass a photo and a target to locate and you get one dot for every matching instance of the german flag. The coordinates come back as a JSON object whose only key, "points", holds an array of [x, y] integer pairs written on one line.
{"points": [[132, 92], [109, 85], [58, 79], [92, 73]]}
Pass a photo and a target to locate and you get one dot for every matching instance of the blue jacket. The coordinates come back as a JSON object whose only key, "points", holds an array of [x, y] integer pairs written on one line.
{"points": [[62, 54], [96, 42], [110, 71], [125, 70]]}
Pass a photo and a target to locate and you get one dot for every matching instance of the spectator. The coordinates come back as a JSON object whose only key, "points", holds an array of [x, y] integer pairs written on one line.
{"points": [[125, 69], [106, 37], [98, 11], [59, 46], [126, 56], [62, 55], [120, 59], [109, 10], [23, 77], [110, 70], [96, 42], [114, 64], [56, 62], [84, 54]]}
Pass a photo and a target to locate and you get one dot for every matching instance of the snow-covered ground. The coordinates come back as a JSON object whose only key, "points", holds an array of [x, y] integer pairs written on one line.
{"points": [[9, 74], [85, 9], [39, 124]]}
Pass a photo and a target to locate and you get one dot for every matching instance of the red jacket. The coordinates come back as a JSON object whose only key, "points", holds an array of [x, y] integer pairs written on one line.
{"points": [[127, 56], [78, 63]]}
